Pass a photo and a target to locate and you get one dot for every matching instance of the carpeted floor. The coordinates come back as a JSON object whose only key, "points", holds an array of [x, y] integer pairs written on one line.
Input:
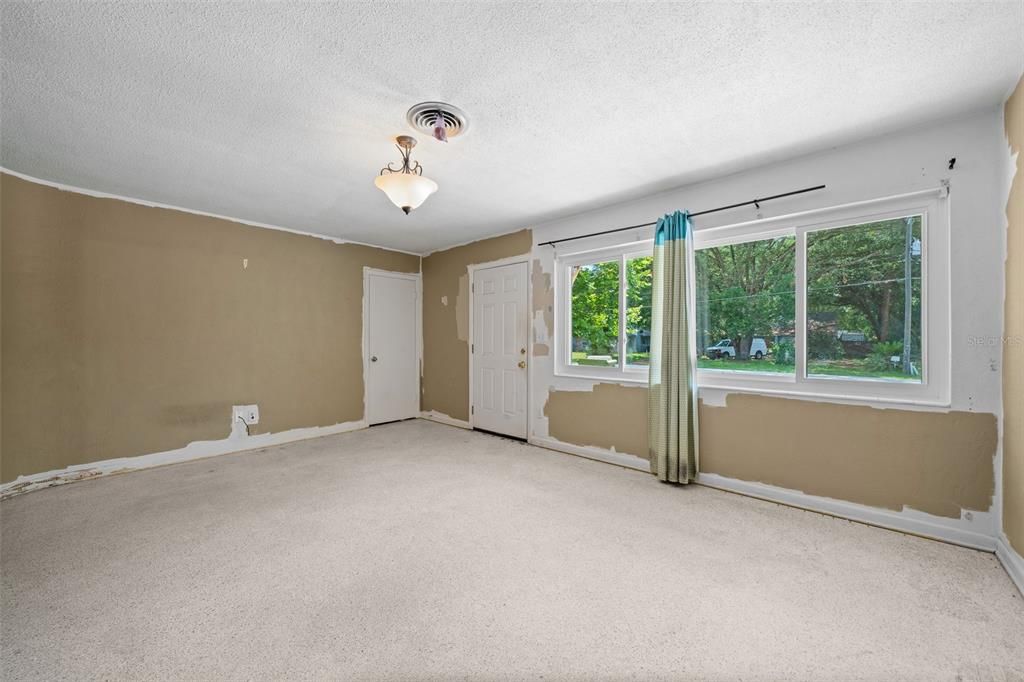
{"points": [[421, 551]]}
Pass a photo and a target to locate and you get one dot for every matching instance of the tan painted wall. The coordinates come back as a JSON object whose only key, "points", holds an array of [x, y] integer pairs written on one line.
{"points": [[1013, 348], [612, 416], [446, 319], [934, 462], [129, 330]]}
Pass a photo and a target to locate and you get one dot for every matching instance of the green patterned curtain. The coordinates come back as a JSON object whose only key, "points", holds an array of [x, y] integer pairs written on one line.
{"points": [[671, 413]]}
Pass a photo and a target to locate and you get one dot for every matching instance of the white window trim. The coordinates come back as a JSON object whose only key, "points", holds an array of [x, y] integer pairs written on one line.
{"points": [[934, 388], [936, 318], [563, 314]]}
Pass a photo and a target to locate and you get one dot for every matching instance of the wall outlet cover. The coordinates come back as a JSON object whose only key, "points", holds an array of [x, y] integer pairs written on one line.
{"points": [[250, 414]]}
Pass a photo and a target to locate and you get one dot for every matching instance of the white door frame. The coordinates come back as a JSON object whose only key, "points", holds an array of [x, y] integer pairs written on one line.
{"points": [[511, 260], [416, 277]]}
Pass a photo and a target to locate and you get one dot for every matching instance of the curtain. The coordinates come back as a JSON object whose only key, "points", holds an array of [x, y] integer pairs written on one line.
{"points": [[671, 413]]}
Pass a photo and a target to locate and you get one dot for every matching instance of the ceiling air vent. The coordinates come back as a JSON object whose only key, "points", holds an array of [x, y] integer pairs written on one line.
{"points": [[422, 116]]}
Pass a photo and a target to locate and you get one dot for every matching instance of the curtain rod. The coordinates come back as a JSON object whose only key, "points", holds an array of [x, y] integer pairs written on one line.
{"points": [[755, 202]]}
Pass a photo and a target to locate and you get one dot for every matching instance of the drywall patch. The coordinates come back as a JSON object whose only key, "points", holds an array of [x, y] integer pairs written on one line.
{"points": [[446, 325], [196, 450], [612, 416], [936, 462], [462, 309], [543, 308], [972, 529], [119, 314], [540, 349]]}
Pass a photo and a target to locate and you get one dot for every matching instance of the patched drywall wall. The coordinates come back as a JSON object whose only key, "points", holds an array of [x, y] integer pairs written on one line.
{"points": [[611, 416], [130, 330], [542, 310], [935, 462], [445, 384], [908, 161], [1013, 334]]}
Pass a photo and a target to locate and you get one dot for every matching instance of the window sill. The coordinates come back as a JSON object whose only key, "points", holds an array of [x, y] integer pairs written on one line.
{"points": [[705, 375], [758, 386], [611, 377], [871, 401]]}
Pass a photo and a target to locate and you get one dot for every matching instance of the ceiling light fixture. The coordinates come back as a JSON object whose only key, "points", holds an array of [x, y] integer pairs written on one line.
{"points": [[406, 187]]}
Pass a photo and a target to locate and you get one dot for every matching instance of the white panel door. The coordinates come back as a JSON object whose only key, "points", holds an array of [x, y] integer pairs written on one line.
{"points": [[392, 348], [500, 326]]}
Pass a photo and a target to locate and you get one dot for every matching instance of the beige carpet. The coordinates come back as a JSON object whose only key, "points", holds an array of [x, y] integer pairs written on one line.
{"points": [[421, 551]]}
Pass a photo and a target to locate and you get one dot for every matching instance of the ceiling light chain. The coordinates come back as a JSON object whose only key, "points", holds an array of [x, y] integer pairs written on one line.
{"points": [[404, 144]]}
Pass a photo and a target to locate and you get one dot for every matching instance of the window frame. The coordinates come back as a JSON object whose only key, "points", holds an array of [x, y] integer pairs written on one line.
{"points": [[936, 303], [622, 371], [936, 349], [706, 376]]}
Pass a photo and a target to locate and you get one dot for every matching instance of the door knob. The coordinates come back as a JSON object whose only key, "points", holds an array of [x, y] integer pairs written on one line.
{"points": [[373, 359], [522, 364]]}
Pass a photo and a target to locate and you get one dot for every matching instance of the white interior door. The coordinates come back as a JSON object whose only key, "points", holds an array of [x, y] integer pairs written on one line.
{"points": [[391, 351], [500, 326]]}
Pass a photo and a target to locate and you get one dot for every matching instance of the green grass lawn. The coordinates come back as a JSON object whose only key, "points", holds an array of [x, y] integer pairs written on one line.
{"points": [[580, 358], [831, 368], [855, 368], [744, 365]]}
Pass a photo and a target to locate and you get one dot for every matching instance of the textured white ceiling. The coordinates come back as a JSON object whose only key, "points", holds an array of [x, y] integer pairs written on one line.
{"points": [[283, 113]]}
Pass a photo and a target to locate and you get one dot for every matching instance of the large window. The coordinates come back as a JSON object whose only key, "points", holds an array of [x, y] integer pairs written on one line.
{"points": [[864, 300], [850, 302], [746, 306], [608, 312], [595, 313]]}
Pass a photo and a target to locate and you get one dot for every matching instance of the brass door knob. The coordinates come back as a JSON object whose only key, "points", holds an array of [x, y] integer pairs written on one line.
{"points": [[522, 364]]}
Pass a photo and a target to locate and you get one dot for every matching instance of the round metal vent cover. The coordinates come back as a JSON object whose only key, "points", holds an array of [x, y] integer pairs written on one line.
{"points": [[422, 116]]}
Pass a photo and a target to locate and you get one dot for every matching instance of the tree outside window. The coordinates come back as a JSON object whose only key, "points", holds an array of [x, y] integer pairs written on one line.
{"points": [[746, 306]]}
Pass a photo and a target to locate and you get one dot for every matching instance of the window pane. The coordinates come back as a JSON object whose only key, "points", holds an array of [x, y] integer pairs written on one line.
{"points": [[746, 307], [638, 310], [864, 301], [595, 314]]}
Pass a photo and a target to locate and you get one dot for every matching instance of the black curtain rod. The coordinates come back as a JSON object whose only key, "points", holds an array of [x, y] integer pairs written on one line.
{"points": [[755, 202]]}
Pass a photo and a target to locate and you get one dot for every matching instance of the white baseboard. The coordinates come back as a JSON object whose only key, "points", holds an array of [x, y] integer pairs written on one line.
{"points": [[192, 451], [910, 521], [591, 452], [1012, 562], [906, 521], [442, 418]]}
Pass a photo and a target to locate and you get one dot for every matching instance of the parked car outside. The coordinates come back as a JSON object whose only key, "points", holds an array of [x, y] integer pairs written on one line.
{"points": [[758, 348], [722, 349], [725, 349]]}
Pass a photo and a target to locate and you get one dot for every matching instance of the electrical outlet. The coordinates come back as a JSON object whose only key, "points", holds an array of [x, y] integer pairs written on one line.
{"points": [[250, 414]]}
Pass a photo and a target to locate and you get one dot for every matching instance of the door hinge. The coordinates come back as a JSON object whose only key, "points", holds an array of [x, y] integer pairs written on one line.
{"points": [[472, 410], [472, 287], [472, 348]]}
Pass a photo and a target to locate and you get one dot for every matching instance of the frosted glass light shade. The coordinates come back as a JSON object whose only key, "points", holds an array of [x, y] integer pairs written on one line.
{"points": [[406, 190]]}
